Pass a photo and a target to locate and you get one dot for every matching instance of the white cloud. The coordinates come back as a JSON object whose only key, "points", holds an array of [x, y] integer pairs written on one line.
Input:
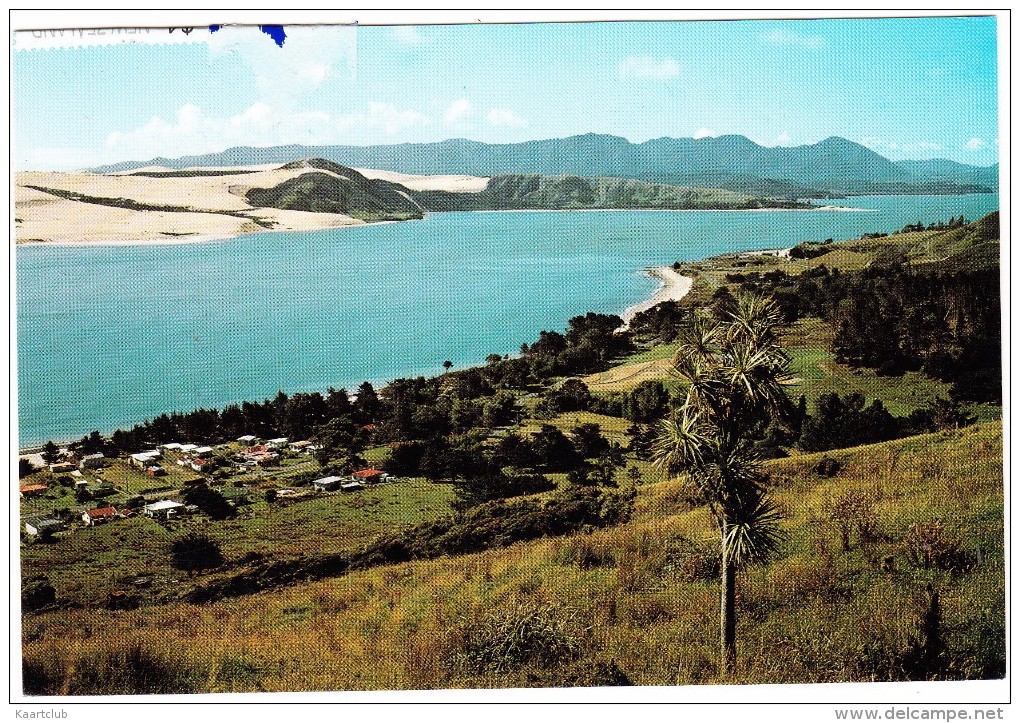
{"points": [[644, 66], [192, 132], [705, 133], [309, 55], [975, 144], [458, 112], [794, 39], [504, 117]]}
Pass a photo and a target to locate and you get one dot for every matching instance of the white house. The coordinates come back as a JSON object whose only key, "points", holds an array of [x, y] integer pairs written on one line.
{"points": [[189, 447], [203, 450], [92, 461], [43, 526], [163, 510], [327, 484], [144, 459], [247, 439], [278, 442], [171, 446]]}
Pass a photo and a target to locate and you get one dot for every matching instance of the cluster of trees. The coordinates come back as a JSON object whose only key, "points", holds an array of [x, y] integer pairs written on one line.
{"points": [[954, 222], [895, 319]]}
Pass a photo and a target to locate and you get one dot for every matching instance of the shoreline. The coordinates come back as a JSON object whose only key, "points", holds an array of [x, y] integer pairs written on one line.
{"points": [[212, 238], [673, 286], [200, 238]]}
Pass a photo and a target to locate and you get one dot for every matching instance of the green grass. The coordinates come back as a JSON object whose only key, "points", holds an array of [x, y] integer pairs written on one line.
{"points": [[330, 522], [658, 351]]}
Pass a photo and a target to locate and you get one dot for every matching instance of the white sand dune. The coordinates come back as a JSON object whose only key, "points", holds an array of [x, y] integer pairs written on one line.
{"points": [[217, 207], [453, 184]]}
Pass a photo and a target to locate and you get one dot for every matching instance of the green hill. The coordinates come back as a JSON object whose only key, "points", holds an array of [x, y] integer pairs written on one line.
{"points": [[534, 191], [331, 188]]}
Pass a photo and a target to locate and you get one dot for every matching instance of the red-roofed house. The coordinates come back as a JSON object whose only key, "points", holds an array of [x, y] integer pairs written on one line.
{"points": [[33, 490], [99, 515], [371, 475]]}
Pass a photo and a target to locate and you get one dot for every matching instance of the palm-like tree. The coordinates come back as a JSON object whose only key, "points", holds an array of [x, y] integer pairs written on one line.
{"points": [[732, 373]]}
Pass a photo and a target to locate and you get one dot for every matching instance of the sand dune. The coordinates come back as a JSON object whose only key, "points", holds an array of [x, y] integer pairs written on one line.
{"points": [[216, 205]]}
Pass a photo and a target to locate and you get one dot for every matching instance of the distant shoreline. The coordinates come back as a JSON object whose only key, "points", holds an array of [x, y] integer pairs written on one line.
{"points": [[213, 238]]}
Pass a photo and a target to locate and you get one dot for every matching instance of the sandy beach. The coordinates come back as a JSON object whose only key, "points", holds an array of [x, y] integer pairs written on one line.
{"points": [[673, 286]]}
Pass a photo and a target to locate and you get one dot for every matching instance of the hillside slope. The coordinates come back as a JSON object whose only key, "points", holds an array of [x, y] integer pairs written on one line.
{"points": [[574, 192], [633, 604]]}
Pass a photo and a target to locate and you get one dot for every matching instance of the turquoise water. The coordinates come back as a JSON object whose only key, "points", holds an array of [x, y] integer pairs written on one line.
{"points": [[111, 335]]}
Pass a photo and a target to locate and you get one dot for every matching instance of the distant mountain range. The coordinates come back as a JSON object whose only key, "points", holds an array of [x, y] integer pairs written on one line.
{"points": [[833, 167]]}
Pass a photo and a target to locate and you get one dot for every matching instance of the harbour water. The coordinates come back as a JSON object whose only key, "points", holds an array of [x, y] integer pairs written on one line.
{"points": [[111, 335]]}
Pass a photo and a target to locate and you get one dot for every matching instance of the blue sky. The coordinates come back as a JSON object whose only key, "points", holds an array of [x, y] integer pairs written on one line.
{"points": [[908, 88]]}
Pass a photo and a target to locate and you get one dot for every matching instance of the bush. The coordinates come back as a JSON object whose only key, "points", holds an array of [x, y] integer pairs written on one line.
{"points": [[508, 639], [854, 512], [195, 552], [827, 467], [37, 593], [928, 545], [127, 670]]}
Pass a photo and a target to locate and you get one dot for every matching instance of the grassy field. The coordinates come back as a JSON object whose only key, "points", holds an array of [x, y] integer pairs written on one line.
{"points": [[638, 602]]}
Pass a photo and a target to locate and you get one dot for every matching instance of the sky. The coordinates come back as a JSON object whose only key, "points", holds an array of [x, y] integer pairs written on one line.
{"points": [[909, 88]]}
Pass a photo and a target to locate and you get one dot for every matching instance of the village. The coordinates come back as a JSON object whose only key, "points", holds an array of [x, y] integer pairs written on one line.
{"points": [[75, 492]]}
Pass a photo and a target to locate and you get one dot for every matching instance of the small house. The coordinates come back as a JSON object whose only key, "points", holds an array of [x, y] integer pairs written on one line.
{"points": [[58, 467], [163, 510], [155, 471], [278, 443], [327, 484], [143, 459], [301, 446], [33, 490], [171, 446], [352, 486], [200, 464], [93, 461], [41, 526], [189, 447], [99, 515], [100, 489], [200, 451], [371, 476], [247, 439]]}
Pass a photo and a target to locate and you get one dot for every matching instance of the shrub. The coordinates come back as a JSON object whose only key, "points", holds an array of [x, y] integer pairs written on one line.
{"points": [[195, 552], [929, 545], [126, 670], [854, 512], [37, 593], [827, 467], [693, 561], [519, 635]]}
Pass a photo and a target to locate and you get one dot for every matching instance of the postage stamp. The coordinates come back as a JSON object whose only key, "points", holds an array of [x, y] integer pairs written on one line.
{"points": [[641, 360]]}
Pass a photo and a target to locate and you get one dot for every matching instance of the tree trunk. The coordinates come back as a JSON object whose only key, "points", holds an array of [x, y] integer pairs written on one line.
{"points": [[728, 617]]}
